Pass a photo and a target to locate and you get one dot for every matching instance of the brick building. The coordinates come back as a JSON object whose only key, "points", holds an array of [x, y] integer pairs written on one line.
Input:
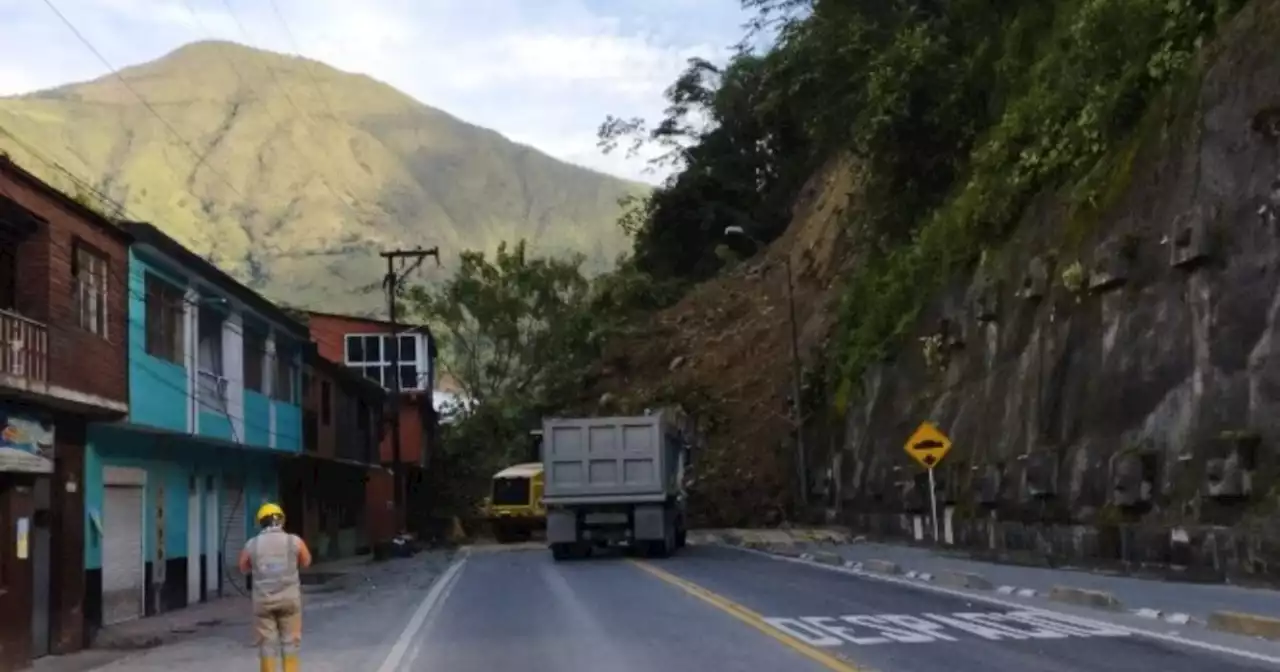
{"points": [[63, 339], [323, 492], [364, 345]]}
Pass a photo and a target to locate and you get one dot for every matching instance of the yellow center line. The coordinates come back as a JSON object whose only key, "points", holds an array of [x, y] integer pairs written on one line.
{"points": [[751, 618]]}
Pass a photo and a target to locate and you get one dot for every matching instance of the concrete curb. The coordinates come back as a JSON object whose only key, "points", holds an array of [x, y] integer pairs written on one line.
{"points": [[1247, 624], [881, 567], [1085, 598], [828, 558], [785, 550], [964, 580], [1250, 625]]}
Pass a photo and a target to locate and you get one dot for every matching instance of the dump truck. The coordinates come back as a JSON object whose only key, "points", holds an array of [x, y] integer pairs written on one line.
{"points": [[614, 481], [514, 507]]}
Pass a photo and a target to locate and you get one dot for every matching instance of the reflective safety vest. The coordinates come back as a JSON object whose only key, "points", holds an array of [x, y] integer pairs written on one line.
{"points": [[274, 558]]}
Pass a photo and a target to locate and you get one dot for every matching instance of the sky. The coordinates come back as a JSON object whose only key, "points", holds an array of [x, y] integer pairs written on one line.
{"points": [[541, 72]]}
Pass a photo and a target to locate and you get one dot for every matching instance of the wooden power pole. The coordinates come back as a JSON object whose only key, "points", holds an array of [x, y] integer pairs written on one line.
{"points": [[410, 260]]}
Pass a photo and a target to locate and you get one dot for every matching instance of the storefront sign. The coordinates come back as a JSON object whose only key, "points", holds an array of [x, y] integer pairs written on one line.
{"points": [[25, 444]]}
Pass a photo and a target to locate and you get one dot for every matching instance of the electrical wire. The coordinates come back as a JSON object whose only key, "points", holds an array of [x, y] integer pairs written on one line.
{"points": [[199, 158]]}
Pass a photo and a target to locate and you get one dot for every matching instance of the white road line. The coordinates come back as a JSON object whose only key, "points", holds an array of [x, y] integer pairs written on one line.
{"points": [[1175, 639], [434, 597]]}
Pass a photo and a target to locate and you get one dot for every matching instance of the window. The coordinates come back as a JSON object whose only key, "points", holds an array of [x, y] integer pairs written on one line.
{"points": [[213, 384], [89, 288], [255, 361], [282, 390], [8, 272], [372, 355], [325, 400], [164, 330]]}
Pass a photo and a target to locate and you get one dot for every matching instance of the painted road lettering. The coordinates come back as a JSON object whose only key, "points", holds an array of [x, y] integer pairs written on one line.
{"points": [[867, 630]]}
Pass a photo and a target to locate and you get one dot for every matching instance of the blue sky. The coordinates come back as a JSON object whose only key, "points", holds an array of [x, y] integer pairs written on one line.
{"points": [[543, 72]]}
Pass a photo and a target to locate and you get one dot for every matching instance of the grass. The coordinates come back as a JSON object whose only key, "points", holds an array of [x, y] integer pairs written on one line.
{"points": [[297, 191]]}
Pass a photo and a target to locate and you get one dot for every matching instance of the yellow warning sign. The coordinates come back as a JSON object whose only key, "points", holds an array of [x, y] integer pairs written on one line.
{"points": [[928, 445]]}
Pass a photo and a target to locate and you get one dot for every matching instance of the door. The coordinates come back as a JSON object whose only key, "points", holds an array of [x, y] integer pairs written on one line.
{"points": [[41, 529], [123, 569], [193, 539], [232, 532], [211, 537], [15, 572]]}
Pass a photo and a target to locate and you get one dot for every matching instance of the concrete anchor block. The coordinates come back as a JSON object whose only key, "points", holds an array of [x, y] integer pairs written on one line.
{"points": [[849, 564], [1084, 598], [1025, 592], [1006, 590], [1177, 618], [925, 576], [882, 567], [827, 558], [1147, 612], [964, 580], [1250, 625]]}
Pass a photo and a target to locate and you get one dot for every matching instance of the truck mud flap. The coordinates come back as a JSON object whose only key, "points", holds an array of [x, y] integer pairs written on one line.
{"points": [[562, 527], [650, 523]]}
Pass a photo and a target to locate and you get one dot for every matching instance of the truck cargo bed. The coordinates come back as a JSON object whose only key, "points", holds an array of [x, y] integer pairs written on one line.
{"points": [[605, 460]]}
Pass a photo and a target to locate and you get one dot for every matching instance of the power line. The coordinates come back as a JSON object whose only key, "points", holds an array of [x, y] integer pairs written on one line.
{"points": [[324, 100], [283, 90], [142, 99]]}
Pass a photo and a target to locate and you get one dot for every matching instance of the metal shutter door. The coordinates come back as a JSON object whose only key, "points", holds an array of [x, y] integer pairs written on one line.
{"points": [[122, 565], [232, 534]]}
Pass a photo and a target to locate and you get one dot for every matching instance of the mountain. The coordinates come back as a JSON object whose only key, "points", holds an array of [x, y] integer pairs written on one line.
{"points": [[305, 172]]}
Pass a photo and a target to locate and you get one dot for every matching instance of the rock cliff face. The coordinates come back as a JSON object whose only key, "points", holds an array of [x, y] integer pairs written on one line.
{"points": [[1112, 387]]}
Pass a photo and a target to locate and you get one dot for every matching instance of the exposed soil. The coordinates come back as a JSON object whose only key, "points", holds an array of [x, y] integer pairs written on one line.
{"points": [[724, 354]]}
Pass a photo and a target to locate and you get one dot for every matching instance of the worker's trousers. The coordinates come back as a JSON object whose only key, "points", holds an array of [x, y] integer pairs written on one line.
{"points": [[279, 629]]}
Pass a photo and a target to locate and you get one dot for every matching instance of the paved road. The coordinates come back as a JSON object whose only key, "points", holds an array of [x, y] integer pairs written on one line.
{"points": [[723, 610], [1196, 600]]}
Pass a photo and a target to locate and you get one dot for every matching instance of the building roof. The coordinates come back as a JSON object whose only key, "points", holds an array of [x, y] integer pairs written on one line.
{"points": [[345, 375], [89, 214], [404, 327], [526, 470], [148, 234]]}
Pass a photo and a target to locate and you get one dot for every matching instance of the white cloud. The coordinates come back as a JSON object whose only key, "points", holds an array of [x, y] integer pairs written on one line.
{"points": [[543, 72]]}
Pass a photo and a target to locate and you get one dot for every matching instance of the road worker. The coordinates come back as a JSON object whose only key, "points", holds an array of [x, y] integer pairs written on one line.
{"points": [[273, 557]]}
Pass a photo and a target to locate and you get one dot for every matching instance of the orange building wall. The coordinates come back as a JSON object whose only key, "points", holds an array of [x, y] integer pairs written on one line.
{"points": [[328, 332]]}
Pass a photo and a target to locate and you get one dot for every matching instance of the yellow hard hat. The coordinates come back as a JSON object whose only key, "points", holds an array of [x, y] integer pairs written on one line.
{"points": [[267, 510]]}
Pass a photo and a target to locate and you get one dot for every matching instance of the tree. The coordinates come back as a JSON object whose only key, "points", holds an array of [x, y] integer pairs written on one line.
{"points": [[741, 158], [514, 328]]}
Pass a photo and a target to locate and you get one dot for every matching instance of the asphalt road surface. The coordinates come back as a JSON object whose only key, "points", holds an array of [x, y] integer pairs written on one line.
{"points": [[720, 610]]}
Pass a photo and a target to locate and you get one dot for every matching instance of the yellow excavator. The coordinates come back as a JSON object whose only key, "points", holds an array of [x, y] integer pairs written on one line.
{"points": [[514, 506]]}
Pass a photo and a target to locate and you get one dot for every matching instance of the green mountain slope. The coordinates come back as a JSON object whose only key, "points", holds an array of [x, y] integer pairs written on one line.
{"points": [[306, 172]]}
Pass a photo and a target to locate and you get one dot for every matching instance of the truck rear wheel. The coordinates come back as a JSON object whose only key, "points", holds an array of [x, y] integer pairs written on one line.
{"points": [[664, 547], [561, 551]]}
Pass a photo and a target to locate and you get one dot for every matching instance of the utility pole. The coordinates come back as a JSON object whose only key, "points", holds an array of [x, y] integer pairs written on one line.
{"points": [[410, 260], [797, 408]]}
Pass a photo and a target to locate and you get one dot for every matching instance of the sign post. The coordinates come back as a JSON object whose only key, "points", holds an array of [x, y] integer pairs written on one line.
{"points": [[928, 445]]}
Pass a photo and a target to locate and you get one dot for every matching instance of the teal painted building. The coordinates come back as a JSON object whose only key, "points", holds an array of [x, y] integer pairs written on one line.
{"points": [[214, 390]]}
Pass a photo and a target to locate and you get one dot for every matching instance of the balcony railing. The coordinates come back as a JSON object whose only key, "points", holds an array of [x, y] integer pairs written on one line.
{"points": [[24, 347]]}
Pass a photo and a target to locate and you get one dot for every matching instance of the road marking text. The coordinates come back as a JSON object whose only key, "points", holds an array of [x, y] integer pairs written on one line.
{"points": [[866, 630]]}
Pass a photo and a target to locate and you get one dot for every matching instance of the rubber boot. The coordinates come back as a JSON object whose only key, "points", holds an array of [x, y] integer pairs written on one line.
{"points": [[267, 664], [290, 662]]}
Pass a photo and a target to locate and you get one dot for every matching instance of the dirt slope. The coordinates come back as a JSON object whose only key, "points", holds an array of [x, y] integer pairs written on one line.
{"points": [[723, 353]]}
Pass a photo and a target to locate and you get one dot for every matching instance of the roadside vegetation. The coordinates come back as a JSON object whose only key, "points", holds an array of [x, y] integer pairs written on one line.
{"points": [[961, 113]]}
